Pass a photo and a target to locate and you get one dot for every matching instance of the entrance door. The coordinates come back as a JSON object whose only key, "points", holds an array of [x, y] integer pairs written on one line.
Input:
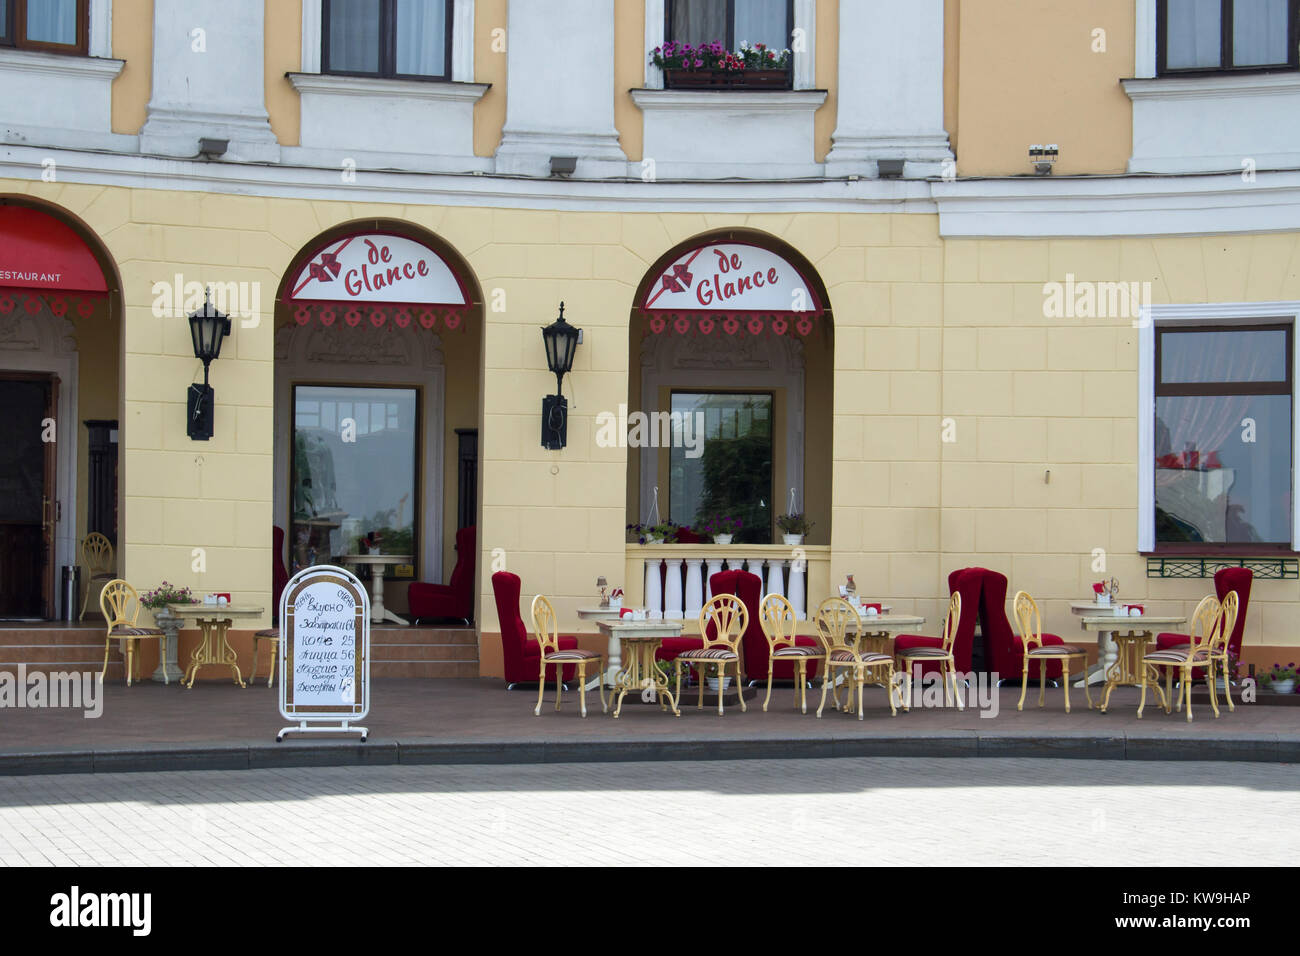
{"points": [[28, 508]]}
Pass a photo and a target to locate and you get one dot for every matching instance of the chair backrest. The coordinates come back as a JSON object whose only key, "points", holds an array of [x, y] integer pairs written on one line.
{"points": [[951, 621], [969, 583], [749, 588], [546, 625], [96, 554], [119, 603], [505, 588], [777, 616], [1028, 620], [462, 575], [723, 621], [1224, 621], [1203, 618], [999, 639], [279, 573], [1239, 580], [836, 619]]}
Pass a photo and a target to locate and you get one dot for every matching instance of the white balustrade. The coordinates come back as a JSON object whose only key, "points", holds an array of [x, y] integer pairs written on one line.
{"points": [[673, 610], [694, 586], [681, 592], [795, 591], [715, 567], [654, 601], [775, 578]]}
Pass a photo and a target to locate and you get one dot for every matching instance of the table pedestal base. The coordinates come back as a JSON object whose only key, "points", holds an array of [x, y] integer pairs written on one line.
{"points": [[213, 649], [640, 675]]}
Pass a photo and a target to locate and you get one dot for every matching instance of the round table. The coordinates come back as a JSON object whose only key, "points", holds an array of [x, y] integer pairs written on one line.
{"points": [[1132, 634], [636, 669], [377, 563], [214, 621]]}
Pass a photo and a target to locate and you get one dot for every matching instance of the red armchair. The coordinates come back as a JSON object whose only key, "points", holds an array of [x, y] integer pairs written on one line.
{"points": [[454, 599], [754, 648], [1225, 580], [520, 652], [1001, 644], [968, 582]]}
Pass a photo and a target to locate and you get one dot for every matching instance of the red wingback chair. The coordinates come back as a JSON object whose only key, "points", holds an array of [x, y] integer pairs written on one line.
{"points": [[279, 574], [754, 647], [1225, 580], [724, 582], [454, 599], [1003, 646], [519, 649], [969, 583]]}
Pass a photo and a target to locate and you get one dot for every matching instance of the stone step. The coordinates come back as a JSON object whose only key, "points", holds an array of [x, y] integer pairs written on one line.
{"points": [[424, 669], [422, 652], [466, 636]]}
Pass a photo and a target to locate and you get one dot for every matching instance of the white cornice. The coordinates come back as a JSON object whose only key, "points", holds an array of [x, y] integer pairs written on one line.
{"points": [[61, 64], [749, 101], [1212, 85], [370, 86]]}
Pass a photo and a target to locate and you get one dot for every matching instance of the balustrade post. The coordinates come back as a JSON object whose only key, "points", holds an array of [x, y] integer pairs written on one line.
{"points": [[694, 587], [654, 601], [673, 590]]}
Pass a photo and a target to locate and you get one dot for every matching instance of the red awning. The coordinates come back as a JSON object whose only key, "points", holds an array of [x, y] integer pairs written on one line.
{"points": [[38, 251]]}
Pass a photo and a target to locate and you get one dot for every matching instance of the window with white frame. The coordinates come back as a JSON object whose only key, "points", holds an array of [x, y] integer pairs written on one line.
{"points": [[727, 43], [52, 26], [408, 39], [1212, 36], [1217, 442]]}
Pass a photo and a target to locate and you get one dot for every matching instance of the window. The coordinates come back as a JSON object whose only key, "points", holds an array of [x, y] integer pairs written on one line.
{"points": [[730, 22], [727, 472], [1209, 36], [408, 39], [1223, 430], [54, 26], [353, 471]]}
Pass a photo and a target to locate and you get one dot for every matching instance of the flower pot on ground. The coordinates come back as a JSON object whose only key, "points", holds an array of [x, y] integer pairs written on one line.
{"points": [[1281, 679], [1283, 686], [713, 684]]}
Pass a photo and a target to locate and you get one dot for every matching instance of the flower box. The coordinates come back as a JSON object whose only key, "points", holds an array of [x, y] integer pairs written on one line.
{"points": [[727, 79]]}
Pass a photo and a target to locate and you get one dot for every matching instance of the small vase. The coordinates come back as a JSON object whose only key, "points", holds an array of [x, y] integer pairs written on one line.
{"points": [[791, 540], [651, 539], [713, 684], [1103, 599], [722, 539], [1283, 686]]}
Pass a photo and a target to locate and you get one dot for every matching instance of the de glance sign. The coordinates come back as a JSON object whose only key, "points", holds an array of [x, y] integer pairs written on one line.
{"points": [[325, 656], [730, 277], [377, 267]]}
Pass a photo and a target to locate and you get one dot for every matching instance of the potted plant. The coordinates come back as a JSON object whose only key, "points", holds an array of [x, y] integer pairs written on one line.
{"points": [[1106, 591], [713, 66], [1280, 679], [665, 532], [794, 526], [721, 528], [156, 601], [616, 599]]}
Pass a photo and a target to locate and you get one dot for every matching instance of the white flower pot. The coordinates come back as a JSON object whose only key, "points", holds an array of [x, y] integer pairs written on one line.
{"points": [[1283, 686], [713, 684], [1103, 598], [792, 539], [722, 539], [650, 539]]}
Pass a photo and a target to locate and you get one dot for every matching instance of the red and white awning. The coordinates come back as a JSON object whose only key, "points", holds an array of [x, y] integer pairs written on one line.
{"points": [[44, 261], [732, 286], [375, 278]]}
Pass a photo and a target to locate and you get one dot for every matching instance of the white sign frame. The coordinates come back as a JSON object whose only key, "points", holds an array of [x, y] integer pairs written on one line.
{"points": [[315, 718]]}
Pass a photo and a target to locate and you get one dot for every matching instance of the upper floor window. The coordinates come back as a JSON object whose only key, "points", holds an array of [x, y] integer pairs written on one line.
{"points": [[1210, 36], [391, 38], [55, 26]]}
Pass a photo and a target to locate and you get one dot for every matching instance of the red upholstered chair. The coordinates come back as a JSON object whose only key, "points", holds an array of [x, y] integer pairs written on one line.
{"points": [[279, 580], [520, 653], [1225, 580], [454, 599], [968, 582], [1002, 646]]}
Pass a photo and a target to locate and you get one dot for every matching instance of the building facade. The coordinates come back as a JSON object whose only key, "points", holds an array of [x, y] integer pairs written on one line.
{"points": [[966, 283]]}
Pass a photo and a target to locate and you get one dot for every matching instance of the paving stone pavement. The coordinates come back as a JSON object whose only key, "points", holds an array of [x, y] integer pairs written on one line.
{"points": [[841, 811]]}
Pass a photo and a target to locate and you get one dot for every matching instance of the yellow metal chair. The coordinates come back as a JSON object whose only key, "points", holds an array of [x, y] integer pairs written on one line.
{"points": [[271, 634], [834, 620], [547, 631], [729, 618], [97, 559], [1029, 623], [116, 602], [1189, 657], [907, 658], [778, 619]]}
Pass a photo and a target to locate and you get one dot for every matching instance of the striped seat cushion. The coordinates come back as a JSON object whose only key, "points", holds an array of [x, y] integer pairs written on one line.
{"points": [[798, 652], [272, 632], [1174, 655], [864, 658], [125, 630], [929, 652], [572, 655], [1056, 650], [708, 654]]}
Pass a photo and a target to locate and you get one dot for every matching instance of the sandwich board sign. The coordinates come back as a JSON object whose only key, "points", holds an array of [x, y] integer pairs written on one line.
{"points": [[324, 652]]}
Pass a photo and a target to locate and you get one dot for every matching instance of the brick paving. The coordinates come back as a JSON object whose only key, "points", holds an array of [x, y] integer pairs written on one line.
{"points": [[953, 811]]}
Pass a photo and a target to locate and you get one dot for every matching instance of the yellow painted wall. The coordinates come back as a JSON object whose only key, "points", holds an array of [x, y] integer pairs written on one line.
{"points": [[1027, 74], [282, 54], [630, 57], [132, 42], [490, 33], [99, 346], [828, 65]]}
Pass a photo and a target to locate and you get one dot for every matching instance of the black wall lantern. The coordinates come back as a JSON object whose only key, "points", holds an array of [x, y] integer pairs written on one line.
{"points": [[207, 328], [561, 340]]}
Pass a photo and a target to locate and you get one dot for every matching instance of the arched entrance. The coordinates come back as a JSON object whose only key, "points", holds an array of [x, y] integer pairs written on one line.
{"points": [[60, 305], [378, 402], [731, 380]]}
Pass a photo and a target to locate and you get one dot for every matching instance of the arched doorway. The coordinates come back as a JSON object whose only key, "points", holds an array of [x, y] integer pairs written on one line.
{"points": [[378, 357], [731, 378], [59, 306]]}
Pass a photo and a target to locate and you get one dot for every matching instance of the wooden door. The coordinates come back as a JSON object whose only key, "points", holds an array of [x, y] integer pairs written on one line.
{"points": [[29, 434]]}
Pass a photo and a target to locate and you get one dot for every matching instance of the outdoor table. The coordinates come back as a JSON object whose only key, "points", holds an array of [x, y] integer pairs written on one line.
{"points": [[1106, 651], [214, 621], [876, 630], [599, 613], [377, 562], [632, 658], [1132, 634]]}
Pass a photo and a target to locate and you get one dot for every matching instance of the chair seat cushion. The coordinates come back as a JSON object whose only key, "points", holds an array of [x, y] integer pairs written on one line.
{"points": [[1174, 655], [125, 630], [670, 647], [571, 654], [708, 654], [272, 632], [533, 649], [1056, 650], [868, 657], [909, 641], [798, 652], [922, 653]]}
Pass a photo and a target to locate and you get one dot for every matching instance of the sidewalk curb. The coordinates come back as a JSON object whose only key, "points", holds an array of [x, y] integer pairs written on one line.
{"points": [[1258, 748]]}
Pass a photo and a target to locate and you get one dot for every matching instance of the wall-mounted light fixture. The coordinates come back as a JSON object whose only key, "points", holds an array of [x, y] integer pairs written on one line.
{"points": [[212, 148], [208, 328], [561, 340], [564, 166], [890, 168], [1043, 158]]}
